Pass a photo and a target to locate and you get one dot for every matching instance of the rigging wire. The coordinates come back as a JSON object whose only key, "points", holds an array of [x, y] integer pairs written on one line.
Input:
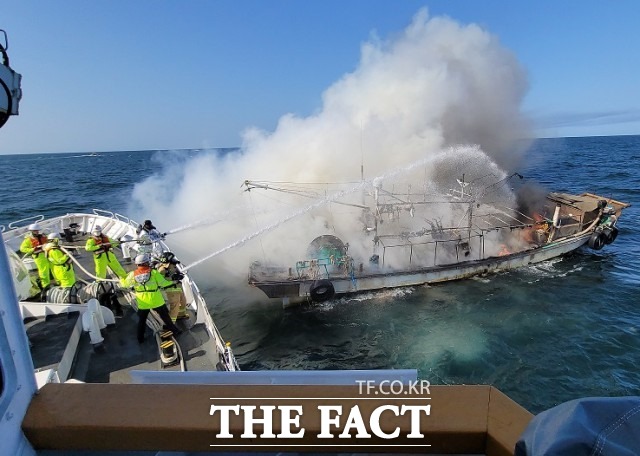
{"points": [[311, 195], [274, 225]]}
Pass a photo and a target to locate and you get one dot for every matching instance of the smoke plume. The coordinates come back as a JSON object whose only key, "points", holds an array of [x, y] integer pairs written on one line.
{"points": [[440, 95]]}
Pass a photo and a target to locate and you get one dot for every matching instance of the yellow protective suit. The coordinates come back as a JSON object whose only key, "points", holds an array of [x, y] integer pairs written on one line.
{"points": [[32, 245], [103, 257], [61, 266]]}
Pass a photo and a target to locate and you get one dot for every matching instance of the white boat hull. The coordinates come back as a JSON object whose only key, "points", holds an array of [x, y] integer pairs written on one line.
{"points": [[577, 220], [297, 290]]}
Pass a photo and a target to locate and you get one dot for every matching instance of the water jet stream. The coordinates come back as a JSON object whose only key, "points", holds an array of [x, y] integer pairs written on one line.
{"points": [[317, 204]]}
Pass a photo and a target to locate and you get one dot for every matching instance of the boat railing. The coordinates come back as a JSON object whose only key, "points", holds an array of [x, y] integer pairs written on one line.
{"points": [[115, 215], [313, 266], [102, 212], [122, 218], [18, 223], [2, 229], [435, 243], [461, 248]]}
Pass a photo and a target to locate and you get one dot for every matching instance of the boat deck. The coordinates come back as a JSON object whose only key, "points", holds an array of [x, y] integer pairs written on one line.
{"points": [[118, 353], [58, 340], [49, 337]]}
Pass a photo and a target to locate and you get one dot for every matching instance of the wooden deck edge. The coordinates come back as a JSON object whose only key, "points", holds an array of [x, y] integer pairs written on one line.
{"points": [[506, 421], [102, 417]]}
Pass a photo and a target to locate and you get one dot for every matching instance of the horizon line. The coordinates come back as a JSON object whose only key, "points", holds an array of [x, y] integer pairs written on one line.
{"points": [[239, 147]]}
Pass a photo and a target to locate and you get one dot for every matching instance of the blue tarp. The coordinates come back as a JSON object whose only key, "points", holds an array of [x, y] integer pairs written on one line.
{"points": [[590, 426]]}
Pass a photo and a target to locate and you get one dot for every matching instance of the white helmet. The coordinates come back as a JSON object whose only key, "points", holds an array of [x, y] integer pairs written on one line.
{"points": [[34, 227], [143, 258], [54, 236], [97, 230]]}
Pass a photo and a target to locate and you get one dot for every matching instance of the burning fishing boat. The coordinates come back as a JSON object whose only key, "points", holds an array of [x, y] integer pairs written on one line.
{"points": [[478, 236]]}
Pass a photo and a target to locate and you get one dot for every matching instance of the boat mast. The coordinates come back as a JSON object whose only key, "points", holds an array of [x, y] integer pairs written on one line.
{"points": [[471, 200], [361, 156], [376, 192], [470, 220]]}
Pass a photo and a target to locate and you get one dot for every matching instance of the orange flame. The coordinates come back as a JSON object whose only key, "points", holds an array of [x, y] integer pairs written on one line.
{"points": [[538, 217]]}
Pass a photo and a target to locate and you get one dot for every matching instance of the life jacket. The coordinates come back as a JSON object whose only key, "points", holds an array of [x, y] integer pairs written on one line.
{"points": [[142, 276], [102, 239], [38, 240]]}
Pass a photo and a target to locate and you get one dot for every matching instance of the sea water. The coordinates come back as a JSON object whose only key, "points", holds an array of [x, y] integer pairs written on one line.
{"points": [[544, 334]]}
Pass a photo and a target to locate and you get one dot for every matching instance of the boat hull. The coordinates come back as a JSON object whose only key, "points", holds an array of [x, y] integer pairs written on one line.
{"points": [[577, 220], [297, 290]]}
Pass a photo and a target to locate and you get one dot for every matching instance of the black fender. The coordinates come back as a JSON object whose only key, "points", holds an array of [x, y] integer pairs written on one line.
{"points": [[321, 290], [610, 234], [597, 240]]}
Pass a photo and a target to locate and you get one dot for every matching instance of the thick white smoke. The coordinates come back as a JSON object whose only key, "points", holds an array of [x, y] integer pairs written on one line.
{"points": [[410, 99]]}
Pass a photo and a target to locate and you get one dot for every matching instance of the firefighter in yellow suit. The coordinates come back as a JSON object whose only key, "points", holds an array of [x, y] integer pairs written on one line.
{"points": [[147, 284], [33, 245], [61, 265], [101, 246]]}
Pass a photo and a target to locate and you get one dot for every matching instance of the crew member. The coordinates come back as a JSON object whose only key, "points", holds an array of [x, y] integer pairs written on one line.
{"points": [[33, 245], [144, 244], [148, 238], [103, 256], [168, 267], [148, 228], [61, 264], [147, 283]]}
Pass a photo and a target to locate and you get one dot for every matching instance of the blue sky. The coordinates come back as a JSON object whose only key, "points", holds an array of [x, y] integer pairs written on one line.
{"points": [[122, 75]]}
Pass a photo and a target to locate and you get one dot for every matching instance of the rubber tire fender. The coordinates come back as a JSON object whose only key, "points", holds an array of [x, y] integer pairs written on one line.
{"points": [[321, 290], [610, 234], [597, 240]]}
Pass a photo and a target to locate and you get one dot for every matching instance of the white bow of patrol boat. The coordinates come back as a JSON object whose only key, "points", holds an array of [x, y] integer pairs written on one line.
{"points": [[73, 337]]}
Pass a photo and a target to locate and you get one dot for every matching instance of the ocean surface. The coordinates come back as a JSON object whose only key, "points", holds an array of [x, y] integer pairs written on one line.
{"points": [[545, 334]]}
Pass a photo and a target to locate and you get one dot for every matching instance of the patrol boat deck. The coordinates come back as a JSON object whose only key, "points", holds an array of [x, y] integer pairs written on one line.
{"points": [[62, 350]]}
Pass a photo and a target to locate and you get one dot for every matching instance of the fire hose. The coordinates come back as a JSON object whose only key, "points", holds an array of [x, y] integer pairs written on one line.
{"points": [[72, 258]]}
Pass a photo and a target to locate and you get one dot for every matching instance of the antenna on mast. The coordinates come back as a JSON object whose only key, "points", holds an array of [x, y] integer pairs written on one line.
{"points": [[461, 194]]}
